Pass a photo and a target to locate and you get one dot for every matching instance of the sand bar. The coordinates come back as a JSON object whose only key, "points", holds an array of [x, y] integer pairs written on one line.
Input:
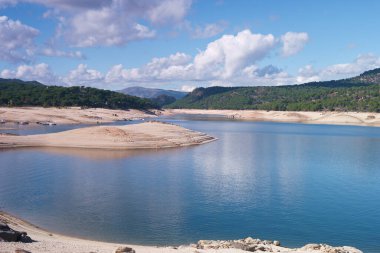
{"points": [[332, 118], [146, 135], [70, 115], [47, 242]]}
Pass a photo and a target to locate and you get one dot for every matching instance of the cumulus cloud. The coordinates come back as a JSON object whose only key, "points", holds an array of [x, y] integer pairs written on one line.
{"points": [[293, 42], [17, 40], [82, 75], [110, 22], [232, 60], [360, 64], [39, 72], [225, 56]]}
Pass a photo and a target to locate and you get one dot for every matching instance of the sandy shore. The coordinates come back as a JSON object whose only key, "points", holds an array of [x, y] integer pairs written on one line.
{"points": [[72, 115], [333, 118], [47, 242], [146, 135]]}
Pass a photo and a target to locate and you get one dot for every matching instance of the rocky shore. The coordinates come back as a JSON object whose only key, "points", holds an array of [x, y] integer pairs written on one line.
{"points": [[42, 241]]}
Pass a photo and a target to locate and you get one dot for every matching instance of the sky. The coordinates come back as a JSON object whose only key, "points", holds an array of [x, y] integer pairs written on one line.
{"points": [[184, 44]]}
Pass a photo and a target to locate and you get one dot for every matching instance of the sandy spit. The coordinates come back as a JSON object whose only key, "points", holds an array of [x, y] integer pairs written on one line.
{"points": [[146, 135], [70, 115], [332, 118], [47, 242]]}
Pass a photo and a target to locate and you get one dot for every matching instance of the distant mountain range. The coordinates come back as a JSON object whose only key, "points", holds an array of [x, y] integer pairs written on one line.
{"points": [[360, 93], [152, 93]]}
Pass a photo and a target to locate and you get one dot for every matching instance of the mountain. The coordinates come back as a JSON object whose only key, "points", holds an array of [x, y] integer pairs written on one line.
{"points": [[360, 93], [152, 93], [14, 92]]}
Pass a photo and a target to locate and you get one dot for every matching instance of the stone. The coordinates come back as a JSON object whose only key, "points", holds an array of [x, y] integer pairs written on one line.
{"points": [[276, 243], [124, 249], [311, 246], [4, 226], [9, 235], [22, 251]]}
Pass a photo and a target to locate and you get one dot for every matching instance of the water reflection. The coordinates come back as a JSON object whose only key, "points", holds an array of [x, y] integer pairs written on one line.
{"points": [[269, 180]]}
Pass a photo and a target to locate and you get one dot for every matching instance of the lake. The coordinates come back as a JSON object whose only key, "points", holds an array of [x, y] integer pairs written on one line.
{"points": [[295, 183]]}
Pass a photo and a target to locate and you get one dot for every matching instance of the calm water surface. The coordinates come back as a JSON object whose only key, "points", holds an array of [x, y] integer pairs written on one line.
{"points": [[292, 182]]}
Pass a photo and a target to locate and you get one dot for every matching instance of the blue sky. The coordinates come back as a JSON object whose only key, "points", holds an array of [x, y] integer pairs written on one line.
{"points": [[182, 44]]}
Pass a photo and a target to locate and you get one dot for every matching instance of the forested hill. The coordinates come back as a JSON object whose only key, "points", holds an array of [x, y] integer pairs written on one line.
{"points": [[361, 93], [15, 92]]}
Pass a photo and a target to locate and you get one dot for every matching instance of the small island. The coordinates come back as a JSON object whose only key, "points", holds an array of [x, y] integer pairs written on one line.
{"points": [[148, 135]]}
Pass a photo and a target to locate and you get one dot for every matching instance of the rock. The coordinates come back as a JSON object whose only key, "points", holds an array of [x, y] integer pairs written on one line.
{"points": [[276, 243], [239, 245], [22, 251], [311, 246], [4, 226], [124, 249], [9, 235]]}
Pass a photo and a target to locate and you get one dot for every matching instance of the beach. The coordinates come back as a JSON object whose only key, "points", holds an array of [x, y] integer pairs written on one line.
{"points": [[332, 118], [48, 242]]}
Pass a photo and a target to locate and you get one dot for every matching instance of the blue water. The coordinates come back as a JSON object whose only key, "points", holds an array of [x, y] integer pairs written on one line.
{"points": [[292, 182]]}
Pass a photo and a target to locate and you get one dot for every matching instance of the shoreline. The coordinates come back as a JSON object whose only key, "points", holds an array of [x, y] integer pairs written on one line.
{"points": [[304, 117], [69, 115], [76, 115], [48, 242]]}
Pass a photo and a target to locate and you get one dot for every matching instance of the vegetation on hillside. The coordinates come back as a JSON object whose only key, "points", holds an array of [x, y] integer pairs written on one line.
{"points": [[19, 93], [361, 93]]}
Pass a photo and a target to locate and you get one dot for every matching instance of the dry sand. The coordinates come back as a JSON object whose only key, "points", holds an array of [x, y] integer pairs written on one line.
{"points": [[47, 242], [136, 136], [333, 118], [72, 115]]}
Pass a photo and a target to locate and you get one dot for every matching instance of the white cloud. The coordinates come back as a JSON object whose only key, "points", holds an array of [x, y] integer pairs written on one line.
{"points": [[360, 64], [188, 88], [82, 75], [307, 74], [39, 72], [232, 60], [111, 22], [293, 42], [339, 71], [59, 53], [17, 40], [225, 56], [166, 10], [207, 31]]}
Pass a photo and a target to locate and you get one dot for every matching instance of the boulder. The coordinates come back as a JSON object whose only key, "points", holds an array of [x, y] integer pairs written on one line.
{"points": [[9, 235], [124, 249]]}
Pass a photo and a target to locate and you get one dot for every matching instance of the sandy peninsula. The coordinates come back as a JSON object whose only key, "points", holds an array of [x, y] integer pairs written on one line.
{"points": [[146, 135], [333, 118], [69, 115], [47, 242]]}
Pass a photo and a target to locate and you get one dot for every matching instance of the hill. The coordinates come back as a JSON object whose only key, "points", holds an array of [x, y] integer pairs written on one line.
{"points": [[14, 92], [361, 93], [152, 93]]}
